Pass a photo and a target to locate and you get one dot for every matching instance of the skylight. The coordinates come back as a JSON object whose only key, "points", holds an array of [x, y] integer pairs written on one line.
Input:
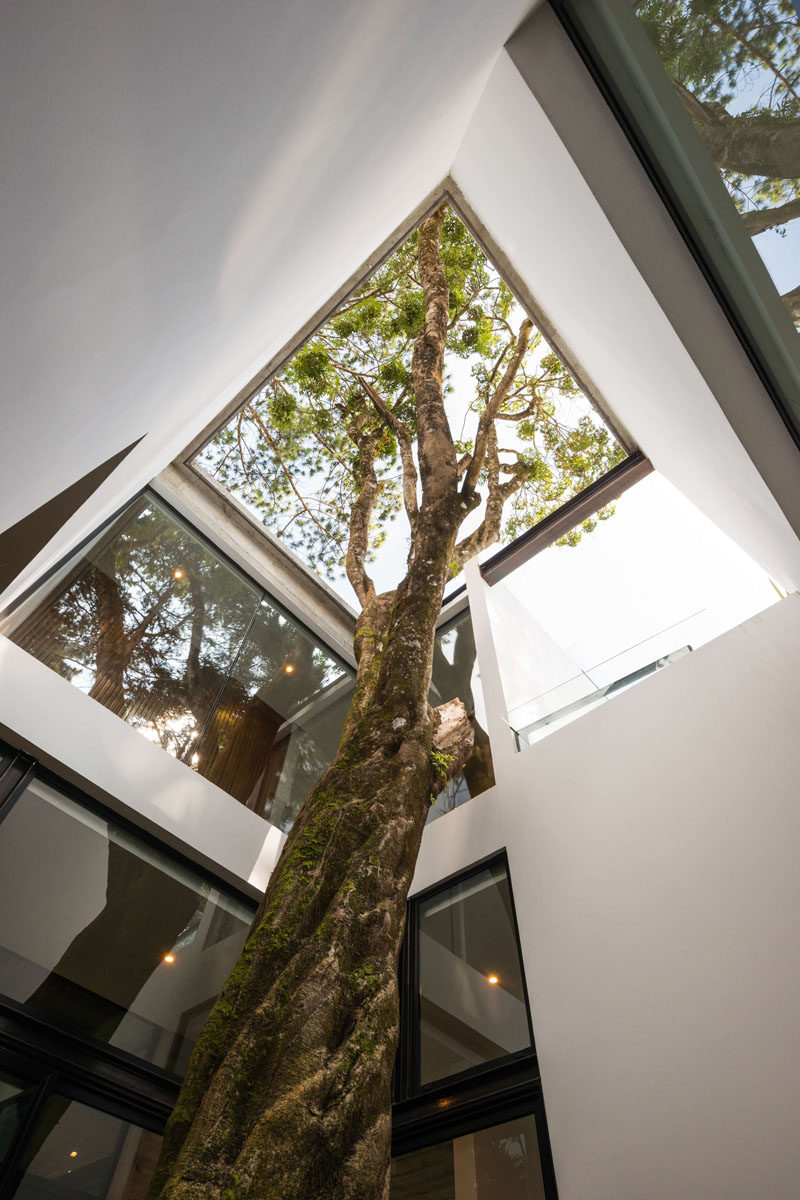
{"points": [[291, 454]]}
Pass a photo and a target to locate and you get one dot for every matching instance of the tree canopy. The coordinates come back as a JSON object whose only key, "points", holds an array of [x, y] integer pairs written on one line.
{"points": [[299, 453]]}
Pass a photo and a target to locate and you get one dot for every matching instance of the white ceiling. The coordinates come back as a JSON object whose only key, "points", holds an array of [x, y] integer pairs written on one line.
{"points": [[187, 183], [184, 183]]}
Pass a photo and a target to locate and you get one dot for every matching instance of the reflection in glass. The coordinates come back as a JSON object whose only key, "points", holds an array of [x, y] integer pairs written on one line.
{"points": [[501, 1163], [455, 674], [472, 997], [15, 1098], [157, 627], [107, 935], [79, 1152], [147, 623], [6, 756], [278, 720], [735, 66]]}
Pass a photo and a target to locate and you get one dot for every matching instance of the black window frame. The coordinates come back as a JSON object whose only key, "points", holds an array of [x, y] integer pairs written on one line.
{"points": [[140, 1090], [480, 1097], [116, 1082]]}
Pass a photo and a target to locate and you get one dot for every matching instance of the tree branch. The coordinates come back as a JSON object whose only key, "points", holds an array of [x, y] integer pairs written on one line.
{"points": [[486, 422], [499, 493], [437, 456], [760, 219], [792, 302], [361, 512], [759, 143], [453, 740], [406, 455], [289, 476]]}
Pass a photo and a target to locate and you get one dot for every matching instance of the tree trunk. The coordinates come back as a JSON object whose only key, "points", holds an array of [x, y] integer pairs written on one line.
{"points": [[792, 302], [760, 219], [287, 1095], [748, 144], [112, 653]]}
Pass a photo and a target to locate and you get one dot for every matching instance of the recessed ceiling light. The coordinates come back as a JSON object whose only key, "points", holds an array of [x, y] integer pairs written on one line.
{"points": [[169, 958], [73, 1153], [492, 978]]}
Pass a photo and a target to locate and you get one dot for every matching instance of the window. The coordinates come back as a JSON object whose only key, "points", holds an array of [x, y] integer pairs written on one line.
{"points": [[112, 951], [158, 627], [455, 674], [574, 626], [502, 1161], [106, 935], [472, 1004], [468, 1119], [53, 1144], [708, 97]]}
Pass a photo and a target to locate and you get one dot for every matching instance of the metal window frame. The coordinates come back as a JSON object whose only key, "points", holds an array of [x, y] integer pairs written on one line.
{"points": [[480, 1097], [634, 84], [116, 1076], [53, 1076]]}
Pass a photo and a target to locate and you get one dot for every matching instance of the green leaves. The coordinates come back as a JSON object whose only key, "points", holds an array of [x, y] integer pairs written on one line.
{"points": [[291, 454]]}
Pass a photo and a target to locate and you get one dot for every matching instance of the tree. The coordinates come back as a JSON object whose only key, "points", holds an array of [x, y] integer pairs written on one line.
{"points": [[736, 68], [287, 1094]]}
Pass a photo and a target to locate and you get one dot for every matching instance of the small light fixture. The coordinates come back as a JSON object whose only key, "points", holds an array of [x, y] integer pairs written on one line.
{"points": [[289, 669], [445, 1102], [73, 1153], [169, 958], [177, 573], [493, 979]]}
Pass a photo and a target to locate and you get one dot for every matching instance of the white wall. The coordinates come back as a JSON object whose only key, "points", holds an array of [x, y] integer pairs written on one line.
{"points": [[185, 185], [608, 308], [653, 848]]}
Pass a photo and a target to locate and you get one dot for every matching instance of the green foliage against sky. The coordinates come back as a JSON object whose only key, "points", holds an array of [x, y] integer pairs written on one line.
{"points": [[290, 454], [743, 55]]}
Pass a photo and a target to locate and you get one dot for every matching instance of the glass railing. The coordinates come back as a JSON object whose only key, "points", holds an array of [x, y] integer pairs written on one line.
{"points": [[580, 694]]}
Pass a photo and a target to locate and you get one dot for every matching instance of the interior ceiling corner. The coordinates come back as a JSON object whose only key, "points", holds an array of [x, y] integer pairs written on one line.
{"points": [[190, 184]]}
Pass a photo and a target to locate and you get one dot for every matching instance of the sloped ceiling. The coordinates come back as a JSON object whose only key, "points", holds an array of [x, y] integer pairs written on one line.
{"points": [[185, 183]]}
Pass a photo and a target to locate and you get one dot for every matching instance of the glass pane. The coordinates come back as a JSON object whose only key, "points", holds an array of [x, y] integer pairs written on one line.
{"points": [[577, 625], [455, 674], [6, 756], [472, 998], [106, 934], [147, 624], [501, 1163], [15, 1098], [279, 718], [79, 1152], [736, 69]]}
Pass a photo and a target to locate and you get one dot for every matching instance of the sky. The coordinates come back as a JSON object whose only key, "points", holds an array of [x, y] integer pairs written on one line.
{"points": [[657, 576]]}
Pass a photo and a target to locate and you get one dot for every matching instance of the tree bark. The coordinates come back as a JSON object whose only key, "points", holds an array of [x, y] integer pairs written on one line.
{"points": [[760, 219], [792, 302], [112, 651], [748, 144], [287, 1095]]}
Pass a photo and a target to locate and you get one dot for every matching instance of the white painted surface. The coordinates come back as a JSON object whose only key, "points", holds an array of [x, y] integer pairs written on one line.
{"points": [[522, 183], [185, 184], [653, 849], [84, 742]]}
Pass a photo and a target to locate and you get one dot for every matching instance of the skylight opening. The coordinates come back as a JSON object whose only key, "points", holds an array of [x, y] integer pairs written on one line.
{"points": [[290, 455]]}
